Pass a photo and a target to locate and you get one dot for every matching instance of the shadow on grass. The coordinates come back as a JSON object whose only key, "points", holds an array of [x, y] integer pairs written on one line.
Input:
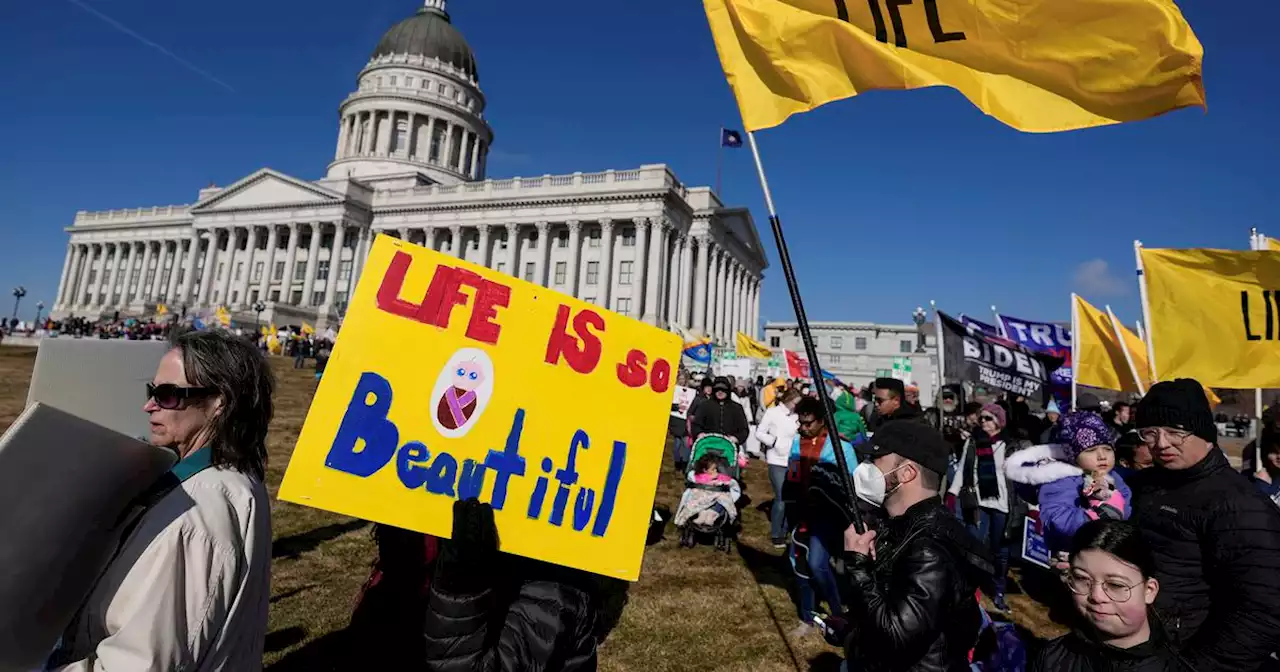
{"points": [[825, 662], [769, 569], [329, 653], [290, 593], [293, 546], [283, 639]]}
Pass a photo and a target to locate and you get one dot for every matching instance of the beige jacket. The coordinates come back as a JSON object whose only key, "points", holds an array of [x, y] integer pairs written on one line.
{"points": [[189, 589]]}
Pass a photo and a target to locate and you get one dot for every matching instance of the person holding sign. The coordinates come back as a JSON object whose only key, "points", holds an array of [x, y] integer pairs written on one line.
{"points": [[189, 584]]}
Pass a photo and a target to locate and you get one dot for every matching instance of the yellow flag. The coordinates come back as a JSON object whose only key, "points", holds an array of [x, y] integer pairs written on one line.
{"points": [[1137, 349], [224, 316], [750, 347], [161, 310], [1036, 65], [1272, 244], [307, 329], [1099, 358], [1214, 316]]}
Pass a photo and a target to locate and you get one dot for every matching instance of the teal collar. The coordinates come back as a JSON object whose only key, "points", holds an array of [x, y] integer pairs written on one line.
{"points": [[193, 464]]}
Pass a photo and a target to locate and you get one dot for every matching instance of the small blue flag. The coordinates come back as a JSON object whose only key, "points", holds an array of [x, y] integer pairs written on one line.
{"points": [[730, 138], [698, 351], [198, 324]]}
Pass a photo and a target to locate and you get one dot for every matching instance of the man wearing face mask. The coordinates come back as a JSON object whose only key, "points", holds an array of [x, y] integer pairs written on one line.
{"points": [[912, 606]]}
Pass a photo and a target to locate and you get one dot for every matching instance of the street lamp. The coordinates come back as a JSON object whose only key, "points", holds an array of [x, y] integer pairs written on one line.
{"points": [[918, 317], [18, 293], [39, 309], [257, 320]]}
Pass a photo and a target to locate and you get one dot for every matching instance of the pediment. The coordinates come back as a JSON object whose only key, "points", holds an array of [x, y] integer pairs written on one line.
{"points": [[268, 188]]}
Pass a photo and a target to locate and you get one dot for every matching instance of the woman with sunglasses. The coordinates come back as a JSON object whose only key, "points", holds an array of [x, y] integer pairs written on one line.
{"points": [[188, 586], [1112, 585], [982, 491]]}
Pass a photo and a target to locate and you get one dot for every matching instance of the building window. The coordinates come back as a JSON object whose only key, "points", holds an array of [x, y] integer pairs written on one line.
{"points": [[239, 271], [340, 299], [441, 88], [322, 270], [624, 305], [93, 276], [905, 346], [837, 342], [317, 298], [455, 153], [629, 236], [408, 82], [378, 81], [437, 140], [151, 276], [590, 299], [502, 267], [393, 80], [253, 296], [344, 270], [401, 143], [502, 242], [257, 271], [561, 272], [528, 272], [562, 240], [426, 83], [277, 273], [466, 155], [220, 265], [593, 272], [860, 343], [593, 238], [299, 275], [296, 297], [625, 271], [275, 295], [832, 359], [235, 296]]}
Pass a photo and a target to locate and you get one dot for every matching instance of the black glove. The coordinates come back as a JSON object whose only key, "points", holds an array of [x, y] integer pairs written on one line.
{"points": [[836, 629], [469, 559]]}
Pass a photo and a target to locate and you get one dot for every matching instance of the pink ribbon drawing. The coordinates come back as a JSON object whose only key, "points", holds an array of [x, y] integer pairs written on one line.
{"points": [[456, 403]]}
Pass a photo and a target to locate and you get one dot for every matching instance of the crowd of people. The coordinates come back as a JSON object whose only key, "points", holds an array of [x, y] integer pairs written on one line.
{"points": [[1167, 556]]}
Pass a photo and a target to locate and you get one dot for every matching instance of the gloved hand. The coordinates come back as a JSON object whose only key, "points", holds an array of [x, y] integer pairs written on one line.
{"points": [[469, 560]]}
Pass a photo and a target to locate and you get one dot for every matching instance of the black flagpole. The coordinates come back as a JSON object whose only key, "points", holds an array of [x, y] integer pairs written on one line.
{"points": [[810, 349]]}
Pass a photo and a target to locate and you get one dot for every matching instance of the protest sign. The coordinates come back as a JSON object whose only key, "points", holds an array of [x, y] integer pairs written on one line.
{"points": [[452, 381], [1034, 548], [680, 403], [797, 365], [973, 356], [738, 368], [985, 328], [1044, 337], [85, 377]]}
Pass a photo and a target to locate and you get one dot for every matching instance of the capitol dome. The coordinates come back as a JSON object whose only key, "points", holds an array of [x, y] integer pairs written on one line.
{"points": [[429, 33]]}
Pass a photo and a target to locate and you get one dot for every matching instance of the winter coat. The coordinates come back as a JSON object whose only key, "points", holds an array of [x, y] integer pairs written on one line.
{"points": [[189, 587], [1000, 503], [1063, 509], [1270, 490], [720, 417], [1079, 651], [906, 411], [777, 431], [913, 608], [1216, 544]]}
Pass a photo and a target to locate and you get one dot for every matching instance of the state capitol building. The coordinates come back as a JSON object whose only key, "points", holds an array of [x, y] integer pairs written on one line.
{"points": [[412, 143]]}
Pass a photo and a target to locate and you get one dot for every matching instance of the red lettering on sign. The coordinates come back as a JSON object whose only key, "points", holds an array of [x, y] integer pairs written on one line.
{"points": [[632, 372], [660, 381], [443, 295], [389, 291], [582, 349], [490, 296]]}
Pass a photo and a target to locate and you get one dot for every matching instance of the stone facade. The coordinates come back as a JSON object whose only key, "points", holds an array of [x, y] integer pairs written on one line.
{"points": [[855, 351], [410, 162]]}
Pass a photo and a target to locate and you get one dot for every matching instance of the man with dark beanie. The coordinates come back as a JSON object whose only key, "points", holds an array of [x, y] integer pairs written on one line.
{"points": [[1214, 537]]}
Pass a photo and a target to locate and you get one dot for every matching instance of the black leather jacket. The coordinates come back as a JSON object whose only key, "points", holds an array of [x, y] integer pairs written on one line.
{"points": [[1080, 651], [914, 607]]}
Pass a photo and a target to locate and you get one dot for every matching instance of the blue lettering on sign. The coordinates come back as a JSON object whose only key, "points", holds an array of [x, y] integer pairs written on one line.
{"points": [[367, 440]]}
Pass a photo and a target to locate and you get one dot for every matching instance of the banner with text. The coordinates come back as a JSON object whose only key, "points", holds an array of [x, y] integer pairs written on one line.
{"points": [[452, 381], [991, 361], [1043, 337], [797, 365]]}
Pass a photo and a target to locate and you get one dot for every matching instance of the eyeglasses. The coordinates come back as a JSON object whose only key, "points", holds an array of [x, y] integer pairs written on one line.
{"points": [[810, 422], [1151, 436], [1113, 589], [170, 397], [883, 400], [988, 418]]}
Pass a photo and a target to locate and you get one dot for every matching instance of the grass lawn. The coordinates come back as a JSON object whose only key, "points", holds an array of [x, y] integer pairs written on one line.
{"points": [[691, 610]]}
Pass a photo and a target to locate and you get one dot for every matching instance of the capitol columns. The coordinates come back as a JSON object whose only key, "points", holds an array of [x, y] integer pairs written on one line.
{"points": [[66, 273], [335, 260], [455, 241], [290, 262], [672, 278], [540, 275], [686, 281], [110, 257], [483, 243], [162, 250], [700, 285], [575, 242], [175, 267], [264, 287], [206, 278], [229, 264], [640, 268], [143, 294], [713, 292], [250, 251], [606, 261], [313, 261], [513, 248]]}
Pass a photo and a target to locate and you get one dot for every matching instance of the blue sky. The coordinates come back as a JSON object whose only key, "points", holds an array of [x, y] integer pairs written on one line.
{"points": [[888, 199]]}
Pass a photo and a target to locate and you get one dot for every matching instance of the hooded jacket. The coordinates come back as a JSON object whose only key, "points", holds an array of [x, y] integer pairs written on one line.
{"points": [[1079, 651], [1216, 544], [1062, 507], [913, 608], [720, 417]]}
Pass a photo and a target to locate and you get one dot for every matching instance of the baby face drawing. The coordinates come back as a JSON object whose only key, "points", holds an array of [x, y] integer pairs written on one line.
{"points": [[461, 392], [468, 376]]}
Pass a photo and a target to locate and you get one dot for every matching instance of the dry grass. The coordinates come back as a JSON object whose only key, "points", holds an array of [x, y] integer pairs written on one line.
{"points": [[691, 609]]}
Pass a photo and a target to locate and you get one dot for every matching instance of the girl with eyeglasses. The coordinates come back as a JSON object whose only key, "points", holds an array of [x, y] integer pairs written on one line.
{"points": [[1112, 584]]}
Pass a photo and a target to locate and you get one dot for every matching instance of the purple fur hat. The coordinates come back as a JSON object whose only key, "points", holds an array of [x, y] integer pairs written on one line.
{"points": [[1082, 430]]}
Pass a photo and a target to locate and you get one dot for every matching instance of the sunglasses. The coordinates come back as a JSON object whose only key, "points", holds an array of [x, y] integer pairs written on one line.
{"points": [[988, 418], [170, 397]]}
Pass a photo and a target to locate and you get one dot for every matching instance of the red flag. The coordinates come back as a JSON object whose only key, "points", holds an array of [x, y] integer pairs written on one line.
{"points": [[797, 366]]}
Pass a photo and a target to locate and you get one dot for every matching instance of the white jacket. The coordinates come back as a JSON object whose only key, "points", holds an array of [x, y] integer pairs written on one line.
{"points": [[189, 589], [1000, 503], [776, 432]]}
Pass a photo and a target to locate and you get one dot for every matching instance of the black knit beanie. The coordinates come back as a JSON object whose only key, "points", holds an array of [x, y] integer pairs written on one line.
{"points": [[1179, 404]]}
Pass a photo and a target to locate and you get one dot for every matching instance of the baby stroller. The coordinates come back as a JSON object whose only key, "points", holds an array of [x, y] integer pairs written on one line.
{"points": [[708, 506]]}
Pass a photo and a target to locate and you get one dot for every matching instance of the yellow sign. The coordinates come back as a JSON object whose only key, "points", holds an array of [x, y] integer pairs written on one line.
{"points": [[451, 381], [1099, 359], [1036, 65], [1137, 350], [750, 347], [161, 310], [223, 315], [307, 329], [1214, 316]]}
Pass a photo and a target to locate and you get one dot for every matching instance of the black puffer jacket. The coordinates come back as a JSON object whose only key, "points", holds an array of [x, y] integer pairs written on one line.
{"points": [[1080, 652], [913, 608], [545, 625], [720, 417], [1216, 544]]}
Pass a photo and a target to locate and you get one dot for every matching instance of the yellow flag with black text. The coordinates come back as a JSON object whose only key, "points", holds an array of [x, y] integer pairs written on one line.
{"points": [[1099, 358], [750, 347], [1214, 316], [1036, 65]]}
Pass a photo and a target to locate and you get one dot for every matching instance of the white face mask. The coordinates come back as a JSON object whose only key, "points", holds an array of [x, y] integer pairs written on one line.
{"points": [[870, 484]]}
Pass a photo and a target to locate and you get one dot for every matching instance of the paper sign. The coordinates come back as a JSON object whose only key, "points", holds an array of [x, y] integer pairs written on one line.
{"points": [[1034, 548], [683, 399], [451, 381], [738, 368]]}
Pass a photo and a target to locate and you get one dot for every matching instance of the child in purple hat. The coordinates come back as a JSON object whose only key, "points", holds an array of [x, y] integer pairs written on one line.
{"points": [[1075, 477]]}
